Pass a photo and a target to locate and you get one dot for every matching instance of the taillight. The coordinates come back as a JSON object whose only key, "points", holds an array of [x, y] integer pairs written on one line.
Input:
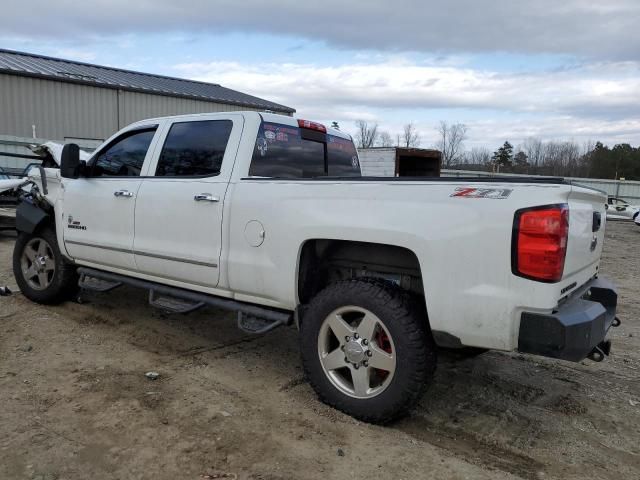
{"points": [[312, 125], [540, 242]]}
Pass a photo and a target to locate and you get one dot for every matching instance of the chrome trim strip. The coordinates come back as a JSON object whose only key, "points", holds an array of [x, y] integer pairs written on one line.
{"points": [[175, 259], [103, 247], [143, 254]]}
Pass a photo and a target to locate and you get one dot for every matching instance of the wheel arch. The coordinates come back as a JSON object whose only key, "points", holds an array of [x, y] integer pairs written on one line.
{"points": [[323, 261]]}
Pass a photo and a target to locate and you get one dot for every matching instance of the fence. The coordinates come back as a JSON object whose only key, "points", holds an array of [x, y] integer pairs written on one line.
{"points": [[629, 190], [15, 154]]}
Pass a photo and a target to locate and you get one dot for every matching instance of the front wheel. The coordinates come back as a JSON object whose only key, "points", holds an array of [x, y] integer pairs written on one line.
{"points": [[367, 349], [42, 273]]}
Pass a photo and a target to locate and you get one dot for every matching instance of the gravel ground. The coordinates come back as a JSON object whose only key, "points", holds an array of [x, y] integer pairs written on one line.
{"points": [[77, 405]]}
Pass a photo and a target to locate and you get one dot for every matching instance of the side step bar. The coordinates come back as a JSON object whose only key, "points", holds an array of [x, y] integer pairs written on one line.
{"points": [[183, 301], [96, 284], [172, 304]]}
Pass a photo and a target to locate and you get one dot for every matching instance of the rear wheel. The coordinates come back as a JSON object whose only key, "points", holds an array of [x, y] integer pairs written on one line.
{"points": [[367, 350], [42, 273]]}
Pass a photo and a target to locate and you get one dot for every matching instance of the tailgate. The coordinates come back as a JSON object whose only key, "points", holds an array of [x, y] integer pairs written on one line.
{"points": [[587, 217]]}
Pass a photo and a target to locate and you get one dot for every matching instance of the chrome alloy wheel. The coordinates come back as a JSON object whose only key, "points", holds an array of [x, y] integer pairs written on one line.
{"points": [[356, 352], [37, 264]]}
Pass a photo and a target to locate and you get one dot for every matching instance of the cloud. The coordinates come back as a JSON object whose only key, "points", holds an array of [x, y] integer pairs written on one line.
{"points": [[592, 101], [581, 130], [608, 90], [577, 27], [596, 97]]}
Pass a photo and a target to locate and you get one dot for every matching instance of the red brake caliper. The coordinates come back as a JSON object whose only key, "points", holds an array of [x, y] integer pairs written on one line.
{"points": [[382, 339], [383, 342]]}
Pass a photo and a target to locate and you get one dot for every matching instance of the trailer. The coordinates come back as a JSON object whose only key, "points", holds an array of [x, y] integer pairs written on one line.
{"points": [[400, 162]]}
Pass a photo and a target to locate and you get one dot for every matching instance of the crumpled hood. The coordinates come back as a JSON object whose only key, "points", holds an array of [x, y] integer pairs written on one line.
{"points": [[55, 150], [10, 184]]}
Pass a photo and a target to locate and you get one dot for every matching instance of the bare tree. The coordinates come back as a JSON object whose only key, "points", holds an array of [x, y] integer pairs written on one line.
{"points": [[561, 158], [366, 135], [451, 141], [534, 149], [586, 159], [385, 140], [410, 136], [478, 156]]}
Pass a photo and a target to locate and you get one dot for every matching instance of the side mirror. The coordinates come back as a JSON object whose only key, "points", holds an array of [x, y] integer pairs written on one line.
{"points": [[70, 161]]}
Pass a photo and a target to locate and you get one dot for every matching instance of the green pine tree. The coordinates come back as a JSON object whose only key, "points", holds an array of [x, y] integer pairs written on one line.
{"points": [[503, 157]]}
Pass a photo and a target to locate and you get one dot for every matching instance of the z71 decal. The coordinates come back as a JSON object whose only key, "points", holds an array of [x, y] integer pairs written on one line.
{"points": [[473, 192]]}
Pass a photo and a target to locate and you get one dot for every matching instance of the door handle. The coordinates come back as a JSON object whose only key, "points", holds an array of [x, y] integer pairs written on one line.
{"points": [[123, 193], [206, 197]]}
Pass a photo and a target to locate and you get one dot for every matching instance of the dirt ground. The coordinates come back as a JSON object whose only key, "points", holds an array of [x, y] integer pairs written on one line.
{"points": [[75, 403]]}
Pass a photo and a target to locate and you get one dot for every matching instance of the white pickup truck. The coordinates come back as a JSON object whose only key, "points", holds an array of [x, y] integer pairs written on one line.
{"points": [[269, 216]]}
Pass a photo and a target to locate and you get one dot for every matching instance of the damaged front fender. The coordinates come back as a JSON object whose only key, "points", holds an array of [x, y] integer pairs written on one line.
{"points": [[29, 217]]}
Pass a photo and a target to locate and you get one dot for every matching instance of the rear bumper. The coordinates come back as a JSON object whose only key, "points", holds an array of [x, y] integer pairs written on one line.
{"points": [[578, 326]]}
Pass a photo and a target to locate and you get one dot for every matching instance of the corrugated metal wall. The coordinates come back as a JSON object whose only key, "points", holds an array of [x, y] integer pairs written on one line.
{"points": [[56, 109], [62, 110], [134, 106]]}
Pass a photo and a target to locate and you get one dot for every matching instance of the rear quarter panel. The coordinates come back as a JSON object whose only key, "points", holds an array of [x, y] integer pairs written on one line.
{"points": [[463, 245]]}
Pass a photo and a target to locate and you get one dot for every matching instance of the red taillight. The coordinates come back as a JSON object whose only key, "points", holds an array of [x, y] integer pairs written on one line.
{"points": [[312, 125], [540, 242]]}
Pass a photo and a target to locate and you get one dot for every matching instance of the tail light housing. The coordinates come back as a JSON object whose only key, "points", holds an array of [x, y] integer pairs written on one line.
{"points": [[539, 245]]}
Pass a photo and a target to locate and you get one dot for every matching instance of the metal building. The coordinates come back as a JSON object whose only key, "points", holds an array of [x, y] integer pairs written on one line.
{"points": [[51, 98]]}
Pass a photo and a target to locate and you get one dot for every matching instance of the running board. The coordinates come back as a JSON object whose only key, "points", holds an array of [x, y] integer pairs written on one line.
{"points": [[183, 301], [96, 284], [172, 304], [256, 325]]}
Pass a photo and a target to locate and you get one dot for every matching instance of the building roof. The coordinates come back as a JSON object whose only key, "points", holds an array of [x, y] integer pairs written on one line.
{"points": [[28, 64]]}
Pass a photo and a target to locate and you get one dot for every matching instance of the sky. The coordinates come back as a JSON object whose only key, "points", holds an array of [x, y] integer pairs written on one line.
{"points": [[508, 69]]}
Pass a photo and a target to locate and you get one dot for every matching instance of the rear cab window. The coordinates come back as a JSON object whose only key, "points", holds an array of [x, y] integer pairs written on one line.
{"points": [[285, 151]]}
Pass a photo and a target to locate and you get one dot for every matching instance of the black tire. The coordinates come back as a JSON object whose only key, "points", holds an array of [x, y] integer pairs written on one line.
{"points": [[63, 280], [406, 322]]}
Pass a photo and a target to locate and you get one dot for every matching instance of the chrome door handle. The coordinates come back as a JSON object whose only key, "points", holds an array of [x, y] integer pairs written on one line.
{"points": [[123, 193], [206, 197]]}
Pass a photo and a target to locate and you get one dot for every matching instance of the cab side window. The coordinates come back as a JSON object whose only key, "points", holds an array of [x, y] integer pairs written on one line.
{"points": [[124, 157], [194, 149]]}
